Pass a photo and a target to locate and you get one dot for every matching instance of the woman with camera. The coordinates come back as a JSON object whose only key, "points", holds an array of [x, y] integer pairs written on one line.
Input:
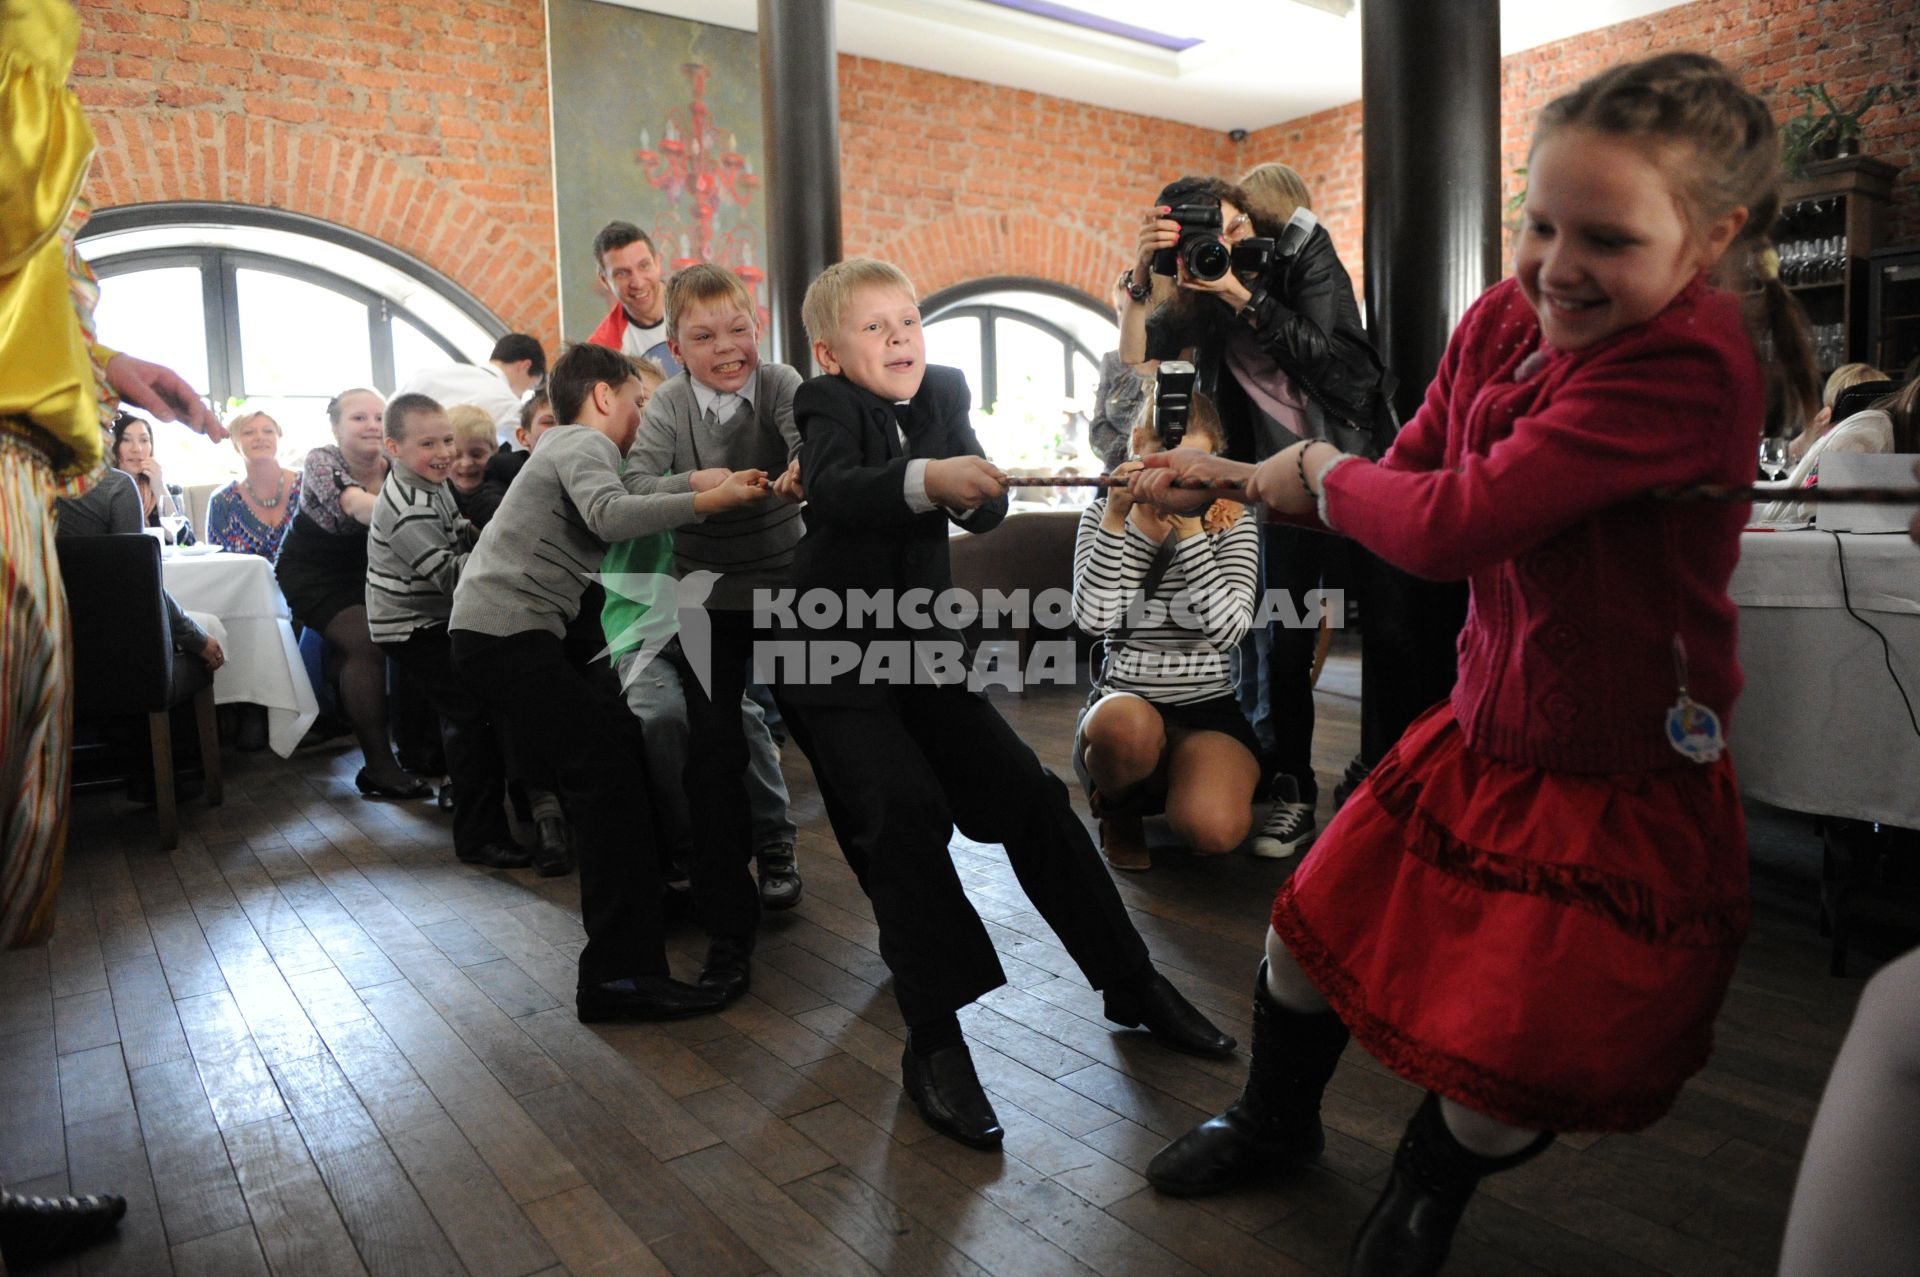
{"points": [[1244, 281]]}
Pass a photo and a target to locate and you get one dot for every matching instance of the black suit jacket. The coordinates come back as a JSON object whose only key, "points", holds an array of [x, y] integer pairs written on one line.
{"points": [[861, 534]]}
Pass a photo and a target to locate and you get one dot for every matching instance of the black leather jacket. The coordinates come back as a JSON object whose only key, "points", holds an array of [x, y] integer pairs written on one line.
{"points": [[1303, 315]]}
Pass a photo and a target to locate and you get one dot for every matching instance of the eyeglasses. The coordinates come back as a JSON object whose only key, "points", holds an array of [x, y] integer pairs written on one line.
{"points": [[1236, 224]]}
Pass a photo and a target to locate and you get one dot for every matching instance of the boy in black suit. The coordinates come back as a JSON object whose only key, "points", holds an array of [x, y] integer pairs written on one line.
{"points": [[887, 458]]}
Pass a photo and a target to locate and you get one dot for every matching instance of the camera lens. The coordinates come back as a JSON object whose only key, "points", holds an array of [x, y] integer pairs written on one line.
{"points": [[1207, 259]]}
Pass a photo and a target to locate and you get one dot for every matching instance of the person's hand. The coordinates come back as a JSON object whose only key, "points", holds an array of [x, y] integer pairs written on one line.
{"points": [[964, 483], [1154, 483], [1120, 499], [708, 480], [213, 654], [1227, 288], [1188, 525], [1156, 232], [163, 393], [150, 471], [742, 487], [787, 487]]}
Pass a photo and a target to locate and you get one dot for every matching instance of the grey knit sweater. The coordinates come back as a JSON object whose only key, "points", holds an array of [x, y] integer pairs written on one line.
{"points": [[538, 552], [751, 546]]}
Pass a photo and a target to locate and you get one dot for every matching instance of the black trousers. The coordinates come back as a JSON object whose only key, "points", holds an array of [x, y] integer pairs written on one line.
{"points": [[902, 774], [1296, 562], [467, 737], [725, 896], [575, 720]]}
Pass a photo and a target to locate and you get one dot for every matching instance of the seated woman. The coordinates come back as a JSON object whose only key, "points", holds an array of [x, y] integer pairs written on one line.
{"points": [[1889, 426], [133, 453], [251, 515], [1172, 596], [322, 570]]}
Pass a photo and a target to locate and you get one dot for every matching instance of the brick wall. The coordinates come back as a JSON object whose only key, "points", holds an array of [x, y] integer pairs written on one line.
{"points": [[426, 126], [1773, 45], [423, 125], [954, 179]]}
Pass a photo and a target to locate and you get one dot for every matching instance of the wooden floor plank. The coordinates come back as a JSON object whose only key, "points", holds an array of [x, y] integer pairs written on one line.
{"points": [[792, 1242]]}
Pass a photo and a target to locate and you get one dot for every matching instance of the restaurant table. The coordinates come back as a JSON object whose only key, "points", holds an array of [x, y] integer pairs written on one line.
{"points": [[263, 659], [1821, 727]]}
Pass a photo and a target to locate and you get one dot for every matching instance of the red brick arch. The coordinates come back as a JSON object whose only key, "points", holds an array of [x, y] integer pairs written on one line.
{"points": [[145, 157], [954, 250]]}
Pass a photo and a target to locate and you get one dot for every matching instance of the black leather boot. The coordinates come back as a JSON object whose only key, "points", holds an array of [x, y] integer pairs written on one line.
{"points": [[1275, 1124], [1408, 1231]]}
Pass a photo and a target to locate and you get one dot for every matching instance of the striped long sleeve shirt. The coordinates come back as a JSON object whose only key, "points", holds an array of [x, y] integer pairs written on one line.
{"points": [[1176, 646], [415, 549]]}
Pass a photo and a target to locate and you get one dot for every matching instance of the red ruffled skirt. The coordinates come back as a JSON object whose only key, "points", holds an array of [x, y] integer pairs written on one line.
{"points": [[1547, 948]]}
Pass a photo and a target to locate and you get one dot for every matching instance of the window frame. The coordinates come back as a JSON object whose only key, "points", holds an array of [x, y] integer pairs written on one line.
{"points": [[957, 302], [220, 308]]}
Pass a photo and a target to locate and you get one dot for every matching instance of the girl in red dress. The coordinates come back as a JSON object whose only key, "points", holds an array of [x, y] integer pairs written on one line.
{"points": [[1533, 906]]}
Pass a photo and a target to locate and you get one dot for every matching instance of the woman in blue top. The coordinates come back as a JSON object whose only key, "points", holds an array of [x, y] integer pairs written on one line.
{"points": [[251, 515]]}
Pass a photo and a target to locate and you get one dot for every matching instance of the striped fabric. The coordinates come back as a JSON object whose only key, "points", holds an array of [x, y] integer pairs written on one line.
{"points": [[415, 549], [36, 698], [1179, 648]]}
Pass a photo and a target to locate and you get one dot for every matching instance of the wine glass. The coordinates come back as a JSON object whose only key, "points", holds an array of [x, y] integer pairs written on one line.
{"points": [[175, 523], [1773, 457]]}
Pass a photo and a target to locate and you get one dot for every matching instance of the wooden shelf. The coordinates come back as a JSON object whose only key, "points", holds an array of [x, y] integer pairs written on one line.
{"points": [[1861, 187]]}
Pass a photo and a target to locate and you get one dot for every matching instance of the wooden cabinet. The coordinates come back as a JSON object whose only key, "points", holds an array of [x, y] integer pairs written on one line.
{"points": [[1830, 223], [1893, 308]]}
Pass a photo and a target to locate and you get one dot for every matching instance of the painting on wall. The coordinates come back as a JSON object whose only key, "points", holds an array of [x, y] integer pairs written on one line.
{"points": [[656, 121]]}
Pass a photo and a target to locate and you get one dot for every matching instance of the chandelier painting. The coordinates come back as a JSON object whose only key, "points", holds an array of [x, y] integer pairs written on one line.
{"points": [[698, 169]]}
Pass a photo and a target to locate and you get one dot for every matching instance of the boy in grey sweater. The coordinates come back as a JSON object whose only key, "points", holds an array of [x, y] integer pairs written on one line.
{"points": [[727, 409], [520, 589]]}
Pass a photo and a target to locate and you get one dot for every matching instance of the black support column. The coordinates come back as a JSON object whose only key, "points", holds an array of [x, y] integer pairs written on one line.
{"points": [[1430, 125], [800, 111]]}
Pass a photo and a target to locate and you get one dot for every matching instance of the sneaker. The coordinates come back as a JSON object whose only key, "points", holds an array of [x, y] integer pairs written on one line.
{"points": [[779, 879], [1289, 826]]}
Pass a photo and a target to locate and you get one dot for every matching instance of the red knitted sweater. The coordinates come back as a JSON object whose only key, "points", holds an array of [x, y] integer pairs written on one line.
{"points": [[1530, 489]]}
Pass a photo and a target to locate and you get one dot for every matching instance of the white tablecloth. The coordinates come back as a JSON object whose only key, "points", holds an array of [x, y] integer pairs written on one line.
{"points": [[263, 660], [1821, 726]]}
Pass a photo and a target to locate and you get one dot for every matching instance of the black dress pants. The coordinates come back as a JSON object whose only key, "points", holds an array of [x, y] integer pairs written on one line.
{"points": [[575, 721], [1296, 561], [903, 773], [466, 735], [725, 896]]}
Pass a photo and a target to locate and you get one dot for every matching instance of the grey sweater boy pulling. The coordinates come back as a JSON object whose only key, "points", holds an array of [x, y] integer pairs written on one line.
{"points": [[537, 554]]}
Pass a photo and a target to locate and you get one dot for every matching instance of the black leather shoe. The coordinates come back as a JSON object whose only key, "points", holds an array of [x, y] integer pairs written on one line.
{"points": [[553, 856], [371, 788], [646, 997], [779, 879], [33, 1229], [443, 797], [946, 1090], [729, 967], [1153, 1003], [497, 855]]}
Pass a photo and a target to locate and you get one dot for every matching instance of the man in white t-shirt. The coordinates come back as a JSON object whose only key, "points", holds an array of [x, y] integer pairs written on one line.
{"points": [[630, 267], [517, 365]]}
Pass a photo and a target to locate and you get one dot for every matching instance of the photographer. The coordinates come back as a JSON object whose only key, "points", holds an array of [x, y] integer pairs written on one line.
{"points": [[1245, 282]]}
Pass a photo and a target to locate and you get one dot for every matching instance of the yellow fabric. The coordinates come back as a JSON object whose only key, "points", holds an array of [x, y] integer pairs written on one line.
{"points": [[46, 365]]}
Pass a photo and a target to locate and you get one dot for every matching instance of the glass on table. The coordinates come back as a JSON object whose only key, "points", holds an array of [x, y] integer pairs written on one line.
{"points": [[1773, 457]]}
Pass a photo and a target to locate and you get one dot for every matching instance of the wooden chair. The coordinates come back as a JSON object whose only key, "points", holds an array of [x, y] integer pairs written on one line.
{"points": [[124, 662]]}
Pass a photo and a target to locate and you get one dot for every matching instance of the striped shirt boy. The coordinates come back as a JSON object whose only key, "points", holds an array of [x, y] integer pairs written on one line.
{"points": [[415, 550]]}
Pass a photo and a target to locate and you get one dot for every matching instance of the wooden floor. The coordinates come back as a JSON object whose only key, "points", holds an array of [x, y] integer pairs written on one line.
{"points": [[311, 1042]]}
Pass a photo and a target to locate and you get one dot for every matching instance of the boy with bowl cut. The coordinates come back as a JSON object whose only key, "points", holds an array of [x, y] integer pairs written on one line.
{"points": [[888, 459]]}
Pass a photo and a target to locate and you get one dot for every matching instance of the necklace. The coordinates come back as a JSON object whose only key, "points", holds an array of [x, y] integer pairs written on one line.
{"points": [[267, 503]]}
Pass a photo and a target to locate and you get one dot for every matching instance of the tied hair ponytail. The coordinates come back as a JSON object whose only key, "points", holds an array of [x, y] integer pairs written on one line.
{"points": [[1718, 144]]}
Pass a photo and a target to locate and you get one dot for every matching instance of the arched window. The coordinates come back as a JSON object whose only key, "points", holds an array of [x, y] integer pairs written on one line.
{"points": [[1031, 351], [270, 311]]}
